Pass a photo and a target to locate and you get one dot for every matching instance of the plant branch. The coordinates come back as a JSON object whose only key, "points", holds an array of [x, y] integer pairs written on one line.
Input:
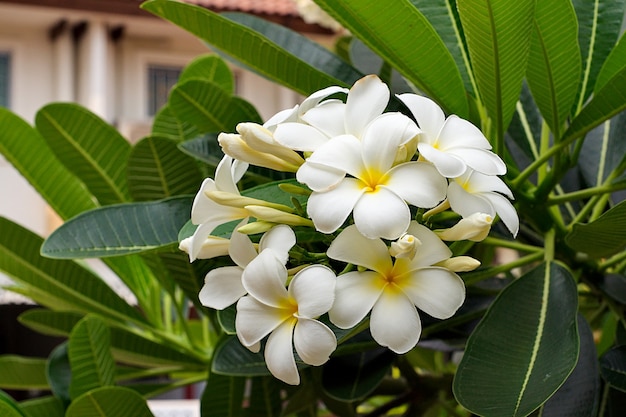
{"points": [[474, 277]]}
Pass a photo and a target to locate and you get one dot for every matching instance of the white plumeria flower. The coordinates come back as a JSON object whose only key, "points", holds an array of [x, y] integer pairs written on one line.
{"points": [[474, 192], [223, 286], [288, 316], [207, 213], [366, 100], [212, 247], [377, 191], [393, 290], [475, 227], [451, 144]]}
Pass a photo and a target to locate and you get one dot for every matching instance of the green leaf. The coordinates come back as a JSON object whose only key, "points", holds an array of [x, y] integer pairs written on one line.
{"points": [[109, 402], [89, 147], [524, 348], [210, 108], [43, 407], [606, 103], [599, 25], [210, 68], [580, 393], [54, 283], [554, 61], [8, 407], [22, 373], [390, 29], [157, 169], [353, 377], [167, 125], [48, 322], [498, 36], [119, 229], [602, 237], [233, 359], [278, 53], [613, 367], [55, 183], [223, 396], [615, 62], [205, 148], [59, 373], [525, 127], [89, 350], [265, 397]]}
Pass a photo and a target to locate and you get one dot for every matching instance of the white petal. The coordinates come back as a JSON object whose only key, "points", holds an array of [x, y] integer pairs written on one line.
{"points": [[212, 247], [314, 99], [264, 278], [506, 211], [255, 320], [313, 288], [238, 170], [314, 341], [427, 113], [436, 291], [200, 237], [381, 213], [383, 136], [222, 287], [355, 294], [279, 354], [203, 206], [224, 176], [481, 160], [394, 321], [283, 116], [319, 177], [481, 183], [432, 249], [459, 132], [448, 165], [418, 183], [330, 209], [328, 117], [367, 99], [354, 248], [241, 249], [343, 153], [280, 239], [299, 137], [467, 204]]}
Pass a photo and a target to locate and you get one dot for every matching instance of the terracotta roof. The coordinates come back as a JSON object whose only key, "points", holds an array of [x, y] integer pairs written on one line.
{"points": [[266, 7]]}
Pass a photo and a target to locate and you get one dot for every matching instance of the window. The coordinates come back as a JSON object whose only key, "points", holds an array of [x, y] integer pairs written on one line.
{"points": [[161, 79], [5, 79]]}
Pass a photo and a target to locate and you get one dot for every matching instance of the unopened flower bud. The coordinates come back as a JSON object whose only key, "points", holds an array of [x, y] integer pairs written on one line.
{"points": [[475, 228], [235, 200], [273, 215], [405, 247], [256, 227], [212, 247], [235, 146], [460, 264]]}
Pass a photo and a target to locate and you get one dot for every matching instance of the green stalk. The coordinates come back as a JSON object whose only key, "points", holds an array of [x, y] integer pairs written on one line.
{"points": [[474, 277], [586, 193], [511, 244]]}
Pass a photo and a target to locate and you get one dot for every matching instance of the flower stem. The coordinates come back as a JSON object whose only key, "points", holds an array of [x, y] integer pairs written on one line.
{"points": [[474, 277], [511, 244]]}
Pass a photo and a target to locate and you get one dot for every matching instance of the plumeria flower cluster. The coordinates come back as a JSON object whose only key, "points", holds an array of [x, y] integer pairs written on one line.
{"points": [[373, 180]]}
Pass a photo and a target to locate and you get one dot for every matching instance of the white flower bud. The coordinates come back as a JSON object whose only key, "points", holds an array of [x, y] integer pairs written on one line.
{"points": [[475, 228], [460, 264], [405, 247]]}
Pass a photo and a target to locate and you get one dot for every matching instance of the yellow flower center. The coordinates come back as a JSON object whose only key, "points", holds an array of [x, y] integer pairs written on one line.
{"points": [[372, 179]]}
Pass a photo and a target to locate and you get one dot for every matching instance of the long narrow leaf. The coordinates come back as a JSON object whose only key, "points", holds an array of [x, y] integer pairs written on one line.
{"points": [[53, 181], [22, 373], [223, 396], [524, 348], [89, 147], [554, 61], [287, 58], [615, 62], [602, 237], [498, 37], [119, 229], [402, 36]]}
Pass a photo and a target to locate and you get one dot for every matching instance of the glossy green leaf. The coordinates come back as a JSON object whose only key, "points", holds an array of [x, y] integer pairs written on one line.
{"points": [[615, 63], [580, 394], [109, 402], [554, 61], [209, 107], [54, 182], [204, 148], [390, 29], [223, 396], [89, 147], [365, 60], [61, 284], [119, 229], [602, 237], [614, 287], [498, 36], [59, 373], [233, 359], [22, 373], [444, 17], [525, 126], [603, 150], [89, 350], [599, 25], [210, 68], [49, 322], [524, 348], [157, 169], [613, 367], [8, 406], [353, 377], [280, 55], [265, 397], [43, 407], [606, 103], [167, 125]]}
